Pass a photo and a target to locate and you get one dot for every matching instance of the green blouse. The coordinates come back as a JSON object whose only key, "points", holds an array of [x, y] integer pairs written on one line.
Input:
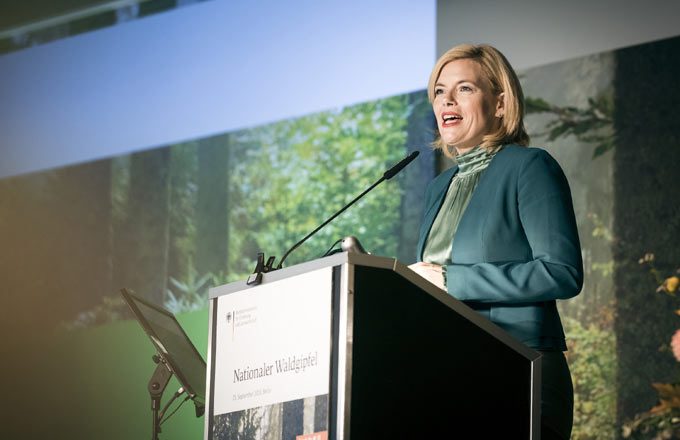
{"points": [[471, 165]]}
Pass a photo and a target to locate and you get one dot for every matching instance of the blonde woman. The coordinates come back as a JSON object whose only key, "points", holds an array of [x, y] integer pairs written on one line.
{"points": [[499, 231]]}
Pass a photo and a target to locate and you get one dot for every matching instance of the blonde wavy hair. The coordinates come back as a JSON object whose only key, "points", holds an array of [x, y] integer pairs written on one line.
{"points": [[502, 79]]}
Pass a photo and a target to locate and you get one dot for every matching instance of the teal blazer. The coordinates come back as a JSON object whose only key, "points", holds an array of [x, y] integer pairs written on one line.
{"points": [[516, 249]]}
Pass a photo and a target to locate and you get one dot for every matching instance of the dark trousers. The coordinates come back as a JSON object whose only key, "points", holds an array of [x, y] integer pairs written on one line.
{"points": [[557, 397]]}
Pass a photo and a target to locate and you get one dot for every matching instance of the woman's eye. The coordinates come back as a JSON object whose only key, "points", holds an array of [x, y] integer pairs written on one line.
{"points": [[465, 89], [438, 92]]}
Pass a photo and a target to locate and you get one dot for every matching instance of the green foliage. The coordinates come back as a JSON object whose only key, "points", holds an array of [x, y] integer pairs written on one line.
{"points": [[663, 423], [112, 308], [192, 293], [602, 231], [592, 361], [663, 420], [284, 179], [606, 269], [289, 176], [593, 124], [239, 425]]}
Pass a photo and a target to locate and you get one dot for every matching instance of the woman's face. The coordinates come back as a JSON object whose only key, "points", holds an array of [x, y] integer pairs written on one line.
{"points": [[464, 104]]}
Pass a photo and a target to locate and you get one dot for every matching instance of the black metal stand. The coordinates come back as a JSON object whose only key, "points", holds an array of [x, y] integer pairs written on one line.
{"points": [[260, 268], [159, 380]]}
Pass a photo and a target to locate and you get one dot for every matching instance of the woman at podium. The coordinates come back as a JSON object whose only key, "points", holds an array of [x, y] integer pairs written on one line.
{"points": [[499, 231]]}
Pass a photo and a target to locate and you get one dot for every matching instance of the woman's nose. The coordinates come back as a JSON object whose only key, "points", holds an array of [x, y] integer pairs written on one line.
{"points": [[448, 99]]}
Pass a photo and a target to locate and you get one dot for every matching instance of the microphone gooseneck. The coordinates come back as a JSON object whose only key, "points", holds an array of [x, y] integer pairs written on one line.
{"points": [[387, 175]]}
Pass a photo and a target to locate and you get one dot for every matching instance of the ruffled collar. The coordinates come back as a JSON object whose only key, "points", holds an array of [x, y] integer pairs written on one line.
{"points": [[474, 160]]}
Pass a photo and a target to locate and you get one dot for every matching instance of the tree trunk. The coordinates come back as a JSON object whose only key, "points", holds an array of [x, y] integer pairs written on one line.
{"points": [[212, 223], [143, 242], [646, 217], [420, 127], [182, 245]]}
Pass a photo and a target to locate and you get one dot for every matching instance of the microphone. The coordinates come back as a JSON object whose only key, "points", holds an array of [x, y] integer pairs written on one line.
{"points": [[351, 244], [387, 175], [400, 166]]}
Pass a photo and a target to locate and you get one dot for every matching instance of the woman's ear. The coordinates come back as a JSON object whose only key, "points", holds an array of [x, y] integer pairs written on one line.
{"points": [[500, 105]]}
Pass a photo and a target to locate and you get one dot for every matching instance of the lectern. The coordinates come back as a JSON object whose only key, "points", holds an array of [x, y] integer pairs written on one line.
{"points": [[358, 346]]}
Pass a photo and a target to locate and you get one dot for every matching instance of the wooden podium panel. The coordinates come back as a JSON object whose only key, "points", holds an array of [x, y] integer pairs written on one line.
{"points": [[401, 359]]}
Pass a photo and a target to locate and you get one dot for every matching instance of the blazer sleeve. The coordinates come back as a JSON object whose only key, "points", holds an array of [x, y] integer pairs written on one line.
{"points": [[555, 268]]}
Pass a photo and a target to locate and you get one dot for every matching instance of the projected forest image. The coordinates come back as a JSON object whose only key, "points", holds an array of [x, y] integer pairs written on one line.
{"points": [[171, 222]]}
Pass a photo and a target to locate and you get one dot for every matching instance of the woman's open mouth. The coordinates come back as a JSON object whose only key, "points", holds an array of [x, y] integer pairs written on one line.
{"points": [[450, 118]]}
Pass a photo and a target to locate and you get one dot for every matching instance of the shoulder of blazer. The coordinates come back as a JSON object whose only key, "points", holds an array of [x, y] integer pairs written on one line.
{"points": [[514, 160], [519, 154]]}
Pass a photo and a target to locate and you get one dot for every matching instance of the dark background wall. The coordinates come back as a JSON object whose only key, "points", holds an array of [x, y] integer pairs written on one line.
{"points": [[646, 216]]}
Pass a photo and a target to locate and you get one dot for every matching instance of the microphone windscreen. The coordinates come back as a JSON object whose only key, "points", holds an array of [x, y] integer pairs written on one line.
{"points": [[351, 244], [398, 167]]}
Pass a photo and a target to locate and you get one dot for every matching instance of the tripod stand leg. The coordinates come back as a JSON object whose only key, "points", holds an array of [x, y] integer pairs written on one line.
{"points": [[159, 380]]}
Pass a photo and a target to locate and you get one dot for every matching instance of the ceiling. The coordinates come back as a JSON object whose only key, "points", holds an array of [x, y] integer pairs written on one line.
{"points": [[19, 13]]}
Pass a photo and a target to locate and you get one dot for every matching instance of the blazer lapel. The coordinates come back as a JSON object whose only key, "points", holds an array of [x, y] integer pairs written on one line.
{"points": [[437, 198], [477, 208]]}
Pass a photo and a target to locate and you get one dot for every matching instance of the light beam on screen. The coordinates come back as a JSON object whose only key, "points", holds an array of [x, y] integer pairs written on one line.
{"points": [[210, 68]]}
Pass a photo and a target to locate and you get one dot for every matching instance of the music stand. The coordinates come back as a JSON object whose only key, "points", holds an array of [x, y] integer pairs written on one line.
{"points": [[176, 355]]}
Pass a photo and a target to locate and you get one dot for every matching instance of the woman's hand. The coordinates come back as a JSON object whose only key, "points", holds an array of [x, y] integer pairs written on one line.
{"points": [[431, 272]]}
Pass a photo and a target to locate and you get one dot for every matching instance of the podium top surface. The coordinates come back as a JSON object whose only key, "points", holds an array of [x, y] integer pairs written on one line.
{"points": [[397, 267], [333, 260]]}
